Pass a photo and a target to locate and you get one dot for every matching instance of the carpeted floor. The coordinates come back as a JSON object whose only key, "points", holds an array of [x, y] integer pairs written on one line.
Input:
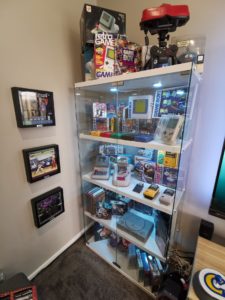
{"points": [[79, 274]]}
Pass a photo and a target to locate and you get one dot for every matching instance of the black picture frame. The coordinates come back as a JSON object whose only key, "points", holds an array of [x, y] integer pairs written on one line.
{"points": [[33, 108], [41, 162], [47, 206]]}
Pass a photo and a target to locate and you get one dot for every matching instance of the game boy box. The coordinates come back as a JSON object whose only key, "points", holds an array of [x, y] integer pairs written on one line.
{"points": [[96, 19], [105, 54]]}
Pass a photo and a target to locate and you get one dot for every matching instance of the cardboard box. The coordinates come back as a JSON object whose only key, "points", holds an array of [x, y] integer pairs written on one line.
{"points": [[98, 19]]}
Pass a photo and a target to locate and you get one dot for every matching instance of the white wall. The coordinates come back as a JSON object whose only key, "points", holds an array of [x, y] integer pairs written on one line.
{"points": [[40, 48], [207, 18]]}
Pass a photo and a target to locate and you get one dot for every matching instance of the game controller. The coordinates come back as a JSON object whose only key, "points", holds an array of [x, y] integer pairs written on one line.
{"points": [[122, 172]]}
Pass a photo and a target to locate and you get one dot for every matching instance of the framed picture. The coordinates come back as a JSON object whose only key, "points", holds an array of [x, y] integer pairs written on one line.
{"points": [[47, 206], [41, 162], [33, 108]]}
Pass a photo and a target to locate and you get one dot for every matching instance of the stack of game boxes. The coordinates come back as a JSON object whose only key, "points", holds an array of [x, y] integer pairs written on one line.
{"points": [[93, 196]]}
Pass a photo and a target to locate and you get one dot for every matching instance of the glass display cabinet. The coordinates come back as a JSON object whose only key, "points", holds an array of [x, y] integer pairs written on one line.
{"points": [[135, 136]]}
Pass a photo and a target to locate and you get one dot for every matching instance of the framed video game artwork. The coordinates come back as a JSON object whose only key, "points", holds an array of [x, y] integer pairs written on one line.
{"points": [[47, 206], [33, 108], [41, 162]]}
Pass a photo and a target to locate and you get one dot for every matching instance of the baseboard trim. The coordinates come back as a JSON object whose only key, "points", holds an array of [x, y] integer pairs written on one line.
{"points": [[60, 251]]}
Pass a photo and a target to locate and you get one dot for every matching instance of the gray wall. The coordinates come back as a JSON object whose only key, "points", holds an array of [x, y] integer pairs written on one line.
{"points": [[40, 48], [207, 18]]}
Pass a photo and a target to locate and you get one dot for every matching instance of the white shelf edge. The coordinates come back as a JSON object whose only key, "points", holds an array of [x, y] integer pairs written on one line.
{"points": [[149, 246], [100, 249], [150, 145], [137, 75], [128, 192]]}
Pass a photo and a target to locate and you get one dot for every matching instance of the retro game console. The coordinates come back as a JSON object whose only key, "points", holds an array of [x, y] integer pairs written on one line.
{"points": [[109, 59], [102, 168], [167, 197], [144, 138], [106, 23], [138, 187], [122, 172], [152, 191], [169, 128], [136, 226], [161, 20], [140, 107]]}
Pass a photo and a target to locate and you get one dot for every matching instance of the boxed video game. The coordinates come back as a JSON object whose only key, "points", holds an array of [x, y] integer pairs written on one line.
{"points": [[99, 110], [111, 149], [148, 126], [111, 110], [168, 159], [114, 240], [130, 125], [115, 55], [159, 174], [118, 207], [96, 19], [170, 177], [132, 259], [128, 56], [170, 101], [93, 196], [191, 48], [101, 124], [101, 232], [161, 231], [105, 54], [103, 210], [140, 265], [144, 168], [146, 267]]}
